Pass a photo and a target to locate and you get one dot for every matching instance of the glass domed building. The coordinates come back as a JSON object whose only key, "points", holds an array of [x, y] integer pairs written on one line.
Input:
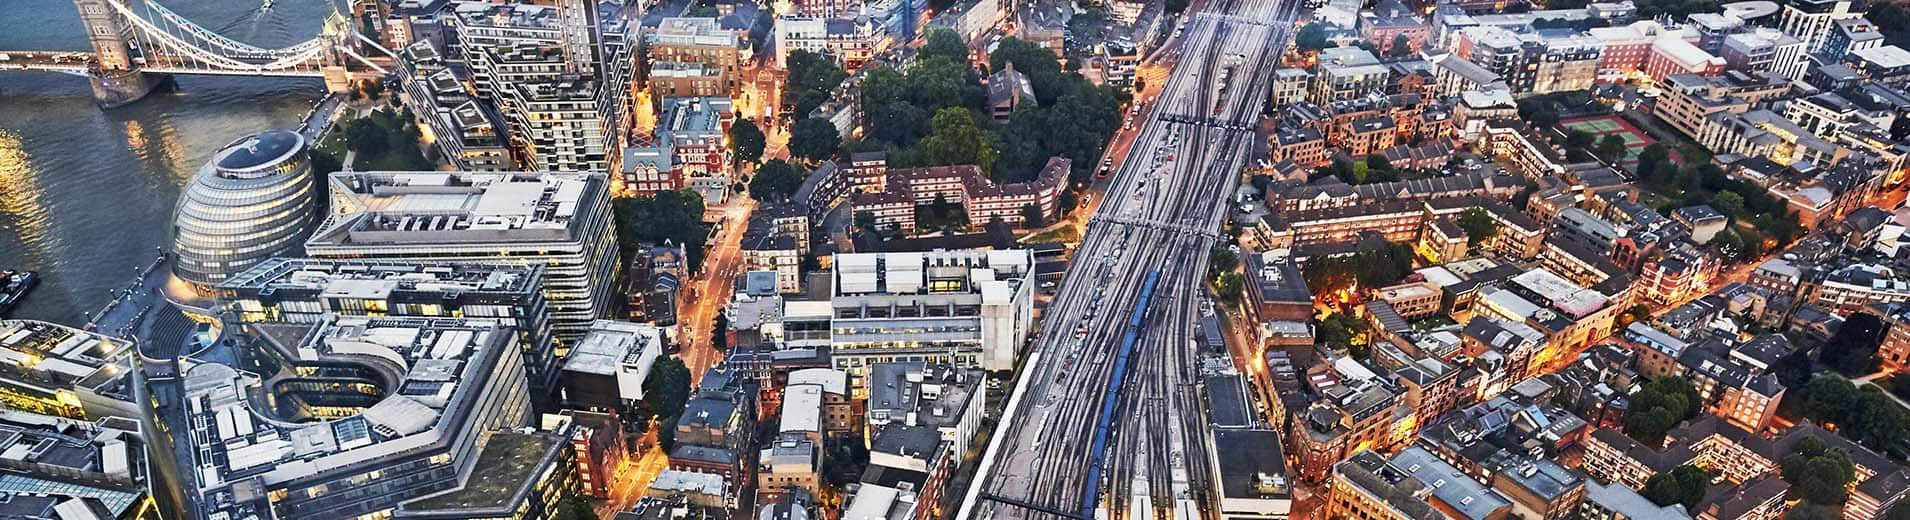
{"points": [[256, 199]]}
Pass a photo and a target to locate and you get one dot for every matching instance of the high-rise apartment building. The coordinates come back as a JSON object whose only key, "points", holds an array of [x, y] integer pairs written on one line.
{"points": [[558, 73], [559, 220]]}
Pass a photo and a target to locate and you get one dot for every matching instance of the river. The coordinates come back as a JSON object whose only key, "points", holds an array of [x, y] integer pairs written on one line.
{"points": [[86, 195]]}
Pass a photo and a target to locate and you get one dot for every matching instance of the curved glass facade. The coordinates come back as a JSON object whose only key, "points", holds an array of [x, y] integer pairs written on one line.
{"points": [[253, 201]]}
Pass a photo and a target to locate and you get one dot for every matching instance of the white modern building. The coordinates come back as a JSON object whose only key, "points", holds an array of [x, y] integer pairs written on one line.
{"points": [[608, 368], [561, 220], [968, 308]]}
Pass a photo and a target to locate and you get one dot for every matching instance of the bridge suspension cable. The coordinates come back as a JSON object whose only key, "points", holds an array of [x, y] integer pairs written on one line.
{"points": [[162, 34]]}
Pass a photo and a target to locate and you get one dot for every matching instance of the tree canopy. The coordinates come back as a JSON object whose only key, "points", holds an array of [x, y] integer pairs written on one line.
{"points": [[1478, 224], [1683, 486], [1222, 259], [1228, 285], [814, 139], [1865, 415], [942, 42], [1376, 268], [673, 216], [1817, 473], [1311, 37], [746, 141], [811, 77], [1853, 349], [775, 180], [956, 138], [1344, 332], [1809, 511], [1611, 148], [667, 389], [1659, 406]]}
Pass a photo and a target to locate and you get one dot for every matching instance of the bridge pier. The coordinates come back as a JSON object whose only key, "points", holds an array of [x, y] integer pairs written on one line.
{"points": [[118, 88]]}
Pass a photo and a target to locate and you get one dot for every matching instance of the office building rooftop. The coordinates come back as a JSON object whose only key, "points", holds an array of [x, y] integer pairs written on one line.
{"points": [[611, 346], [382, 279], [934, 395], [430, 372], [1252, 465], [60, 469], [512, 462], [57, 362], [457, 208]]}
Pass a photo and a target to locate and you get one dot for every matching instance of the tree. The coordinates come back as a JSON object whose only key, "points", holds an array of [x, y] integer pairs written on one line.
{"points": [[1401, 47], [1576, 138], [1881, 424], [1221, 259], [1829, 399], [1809, 511], [1031, 216], [1658, 406], [1611, 148], [667, 388], [374, 90], [1343, 332], [1228, 285], [1853, 349], [1379, 162], [666, 433], [324, 163], [574, 507], [1175, 6], [775, 180], [746, 141], [1818, 473], [719, 331], [1682, 486], [1041, 66], [668, 216], [1901, 511], [1478, 224], [1311, 37], [1649, 161], [943, 43], [811, 77], [1728, 203], [814, 139], [957, 139]]}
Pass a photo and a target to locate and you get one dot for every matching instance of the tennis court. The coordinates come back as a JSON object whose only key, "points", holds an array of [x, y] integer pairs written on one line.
{"points": [[1595, 125], [1601, 126]]}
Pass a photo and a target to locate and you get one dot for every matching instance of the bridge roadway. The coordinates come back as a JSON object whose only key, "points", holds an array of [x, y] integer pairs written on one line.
{"points": [[76, 62], [1158, 215]]}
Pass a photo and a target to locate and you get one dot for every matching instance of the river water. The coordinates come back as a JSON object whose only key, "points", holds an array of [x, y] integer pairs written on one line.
{"points": [[86, 195]]}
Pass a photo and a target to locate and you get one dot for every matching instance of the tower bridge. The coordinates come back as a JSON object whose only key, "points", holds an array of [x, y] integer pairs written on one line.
{"points": [[137, 44]]}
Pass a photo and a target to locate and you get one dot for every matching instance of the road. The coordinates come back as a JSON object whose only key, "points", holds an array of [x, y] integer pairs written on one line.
{"points": [[633, 479], [710, 289], [1160, 215]]}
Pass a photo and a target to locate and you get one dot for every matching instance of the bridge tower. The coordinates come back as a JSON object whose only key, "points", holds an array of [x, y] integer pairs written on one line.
{"points": [[115, 76]]}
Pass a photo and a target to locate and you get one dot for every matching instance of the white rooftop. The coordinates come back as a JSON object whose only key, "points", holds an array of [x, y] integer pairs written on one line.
{"points": [[802, 408]]}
